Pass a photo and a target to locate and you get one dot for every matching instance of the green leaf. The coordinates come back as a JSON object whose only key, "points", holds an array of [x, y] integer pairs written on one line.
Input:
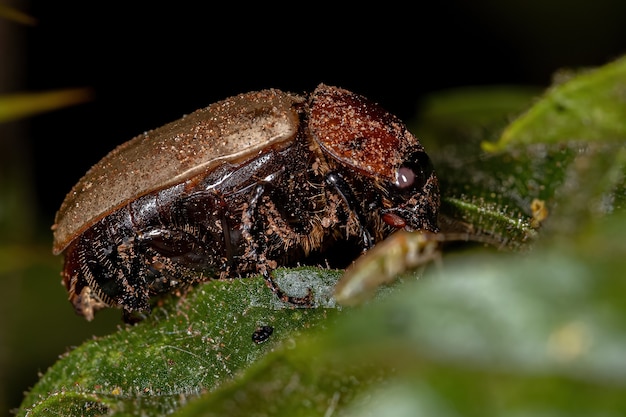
{"points": [[191, 345], [589, 106], [452, 117], [564, 153]]}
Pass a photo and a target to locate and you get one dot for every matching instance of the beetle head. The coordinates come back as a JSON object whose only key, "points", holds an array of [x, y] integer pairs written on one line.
{"points": [[368, 140]]}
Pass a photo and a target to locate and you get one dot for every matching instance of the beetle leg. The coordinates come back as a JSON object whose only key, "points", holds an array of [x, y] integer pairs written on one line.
{"points": [[336, 181], [306, 301], [249, 218], [134, 317], [263, 265]]}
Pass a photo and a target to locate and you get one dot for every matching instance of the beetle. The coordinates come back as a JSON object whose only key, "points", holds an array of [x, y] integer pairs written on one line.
{"points": [[253, 182]]}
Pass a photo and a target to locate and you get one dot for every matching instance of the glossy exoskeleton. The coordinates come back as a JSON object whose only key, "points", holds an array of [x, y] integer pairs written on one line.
{"points": [[257, 181]]}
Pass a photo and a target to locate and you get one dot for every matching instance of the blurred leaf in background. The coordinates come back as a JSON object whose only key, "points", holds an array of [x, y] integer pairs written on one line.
{"points": [[12, 14], [19, 105], [26, 264]]}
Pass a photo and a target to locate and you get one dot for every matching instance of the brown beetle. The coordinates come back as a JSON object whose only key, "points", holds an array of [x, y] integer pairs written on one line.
{"points": [[256, 181]]}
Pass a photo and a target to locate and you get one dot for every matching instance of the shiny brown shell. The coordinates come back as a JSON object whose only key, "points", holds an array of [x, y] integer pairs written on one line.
{"points": [[230, 130]]}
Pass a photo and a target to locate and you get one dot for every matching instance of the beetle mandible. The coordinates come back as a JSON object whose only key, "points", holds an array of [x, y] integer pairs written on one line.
{"points": [[250, 183]]}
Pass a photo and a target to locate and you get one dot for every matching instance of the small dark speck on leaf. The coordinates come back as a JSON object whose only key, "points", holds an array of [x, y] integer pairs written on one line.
{"points": [[261, 334]]}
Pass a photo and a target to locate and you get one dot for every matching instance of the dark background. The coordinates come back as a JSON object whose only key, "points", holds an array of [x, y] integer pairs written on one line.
{"points": [[150, 63]]}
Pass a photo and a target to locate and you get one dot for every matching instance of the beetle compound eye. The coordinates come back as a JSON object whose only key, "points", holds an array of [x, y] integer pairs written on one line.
{"points": [[406, 177], [414, 172]]}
